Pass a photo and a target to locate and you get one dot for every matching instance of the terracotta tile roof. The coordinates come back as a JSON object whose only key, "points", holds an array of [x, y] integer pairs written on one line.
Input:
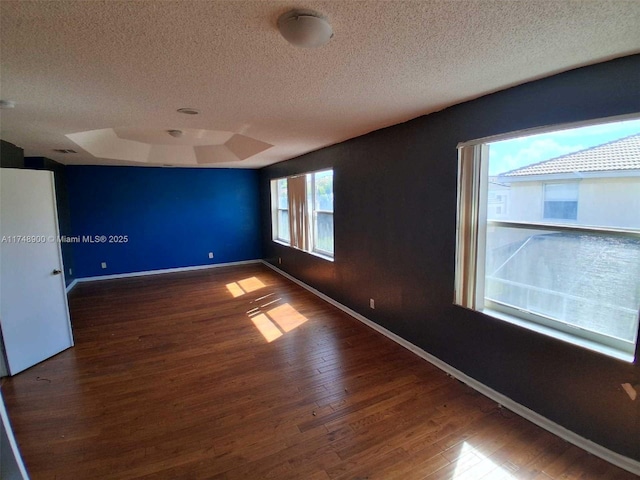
{"points": [[622, 154]]}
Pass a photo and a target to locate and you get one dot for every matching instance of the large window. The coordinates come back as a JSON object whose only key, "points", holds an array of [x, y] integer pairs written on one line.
{"points": [[302, 209], [527, 254]]}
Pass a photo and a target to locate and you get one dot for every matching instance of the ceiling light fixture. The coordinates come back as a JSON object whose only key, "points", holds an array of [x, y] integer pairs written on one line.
{"points": [[305, 28], [7, 104], [175, 133], [188, 111]]}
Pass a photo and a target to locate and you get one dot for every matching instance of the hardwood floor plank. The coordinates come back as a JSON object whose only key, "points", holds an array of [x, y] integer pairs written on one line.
{"points": [[172, 377]]}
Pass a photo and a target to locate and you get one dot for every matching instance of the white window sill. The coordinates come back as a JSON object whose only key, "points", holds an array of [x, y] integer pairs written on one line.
{"points": [[315, 254], [280, 242], [320, 255], [563, 336]]}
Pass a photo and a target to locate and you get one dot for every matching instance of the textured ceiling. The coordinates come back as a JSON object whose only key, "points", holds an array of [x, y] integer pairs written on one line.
{"points": [[78, 66]]}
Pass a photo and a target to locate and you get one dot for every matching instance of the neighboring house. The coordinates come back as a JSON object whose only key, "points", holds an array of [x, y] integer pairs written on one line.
{"points": [[498, 198], [597, 186], [586, 280]]}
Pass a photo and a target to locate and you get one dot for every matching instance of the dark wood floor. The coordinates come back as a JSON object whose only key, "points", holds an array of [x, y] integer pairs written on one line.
{"points": [[172, 377]]}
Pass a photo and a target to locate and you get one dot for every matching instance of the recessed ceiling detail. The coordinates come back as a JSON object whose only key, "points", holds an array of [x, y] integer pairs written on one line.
{"points": [[154, 146]]}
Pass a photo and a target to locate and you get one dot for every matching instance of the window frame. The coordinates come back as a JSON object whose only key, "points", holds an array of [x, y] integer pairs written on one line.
{"points": [[278, 209], [314, 214], [564, 327], [311, 226], [471, 230]]}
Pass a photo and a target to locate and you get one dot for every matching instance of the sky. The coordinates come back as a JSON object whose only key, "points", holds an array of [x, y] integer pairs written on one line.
{"points": [[518, 152]]}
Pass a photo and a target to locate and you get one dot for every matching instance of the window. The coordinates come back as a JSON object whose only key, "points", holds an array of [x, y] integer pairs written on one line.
{"points": [[323, 212], [544, 264], [282, 217], [302, 208], [561, 201]]}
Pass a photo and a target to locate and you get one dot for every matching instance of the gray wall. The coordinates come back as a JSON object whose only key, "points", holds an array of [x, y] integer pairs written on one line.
{"points": [[395, 214], [10, 155]]}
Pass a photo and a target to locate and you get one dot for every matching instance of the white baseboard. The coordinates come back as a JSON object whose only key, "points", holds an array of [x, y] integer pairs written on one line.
{"points": [[158, 272], [72, 284], [610, 456]]}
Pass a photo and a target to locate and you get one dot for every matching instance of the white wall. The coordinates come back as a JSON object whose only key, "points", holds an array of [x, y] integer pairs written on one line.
{"points": [[606, 202], [611, 202]]}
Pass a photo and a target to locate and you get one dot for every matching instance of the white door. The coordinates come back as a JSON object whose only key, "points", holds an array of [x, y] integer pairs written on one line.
{"points": [[34, 315]]}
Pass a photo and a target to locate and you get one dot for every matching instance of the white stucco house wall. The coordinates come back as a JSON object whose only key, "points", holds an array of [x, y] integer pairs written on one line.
{"points": [[598, 186]]}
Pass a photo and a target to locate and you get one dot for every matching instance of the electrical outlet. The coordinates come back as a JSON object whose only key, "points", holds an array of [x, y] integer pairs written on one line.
{"points": [[210, 254], [70, 272], [372, 303], [279, 260], [104, 264]]}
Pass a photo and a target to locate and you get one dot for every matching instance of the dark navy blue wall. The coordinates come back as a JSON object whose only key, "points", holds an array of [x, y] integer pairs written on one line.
{"points": [[10, 155], [173, 217], [395, 223]]}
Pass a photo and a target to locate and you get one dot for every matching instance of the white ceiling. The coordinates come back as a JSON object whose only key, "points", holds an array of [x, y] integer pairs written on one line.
{"points": [[78, 66]]}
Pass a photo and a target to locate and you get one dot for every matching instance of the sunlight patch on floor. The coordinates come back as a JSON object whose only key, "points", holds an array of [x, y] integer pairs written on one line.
{"points": [[266, 327], [472, 465], [270, 316], [286, 317], [235, 289], [251, 284], [246, 285], [277, 321]]}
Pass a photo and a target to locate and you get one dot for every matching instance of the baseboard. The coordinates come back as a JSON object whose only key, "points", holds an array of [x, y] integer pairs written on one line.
{"points": [[72, 284], [159, 272], [610, 456]]}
